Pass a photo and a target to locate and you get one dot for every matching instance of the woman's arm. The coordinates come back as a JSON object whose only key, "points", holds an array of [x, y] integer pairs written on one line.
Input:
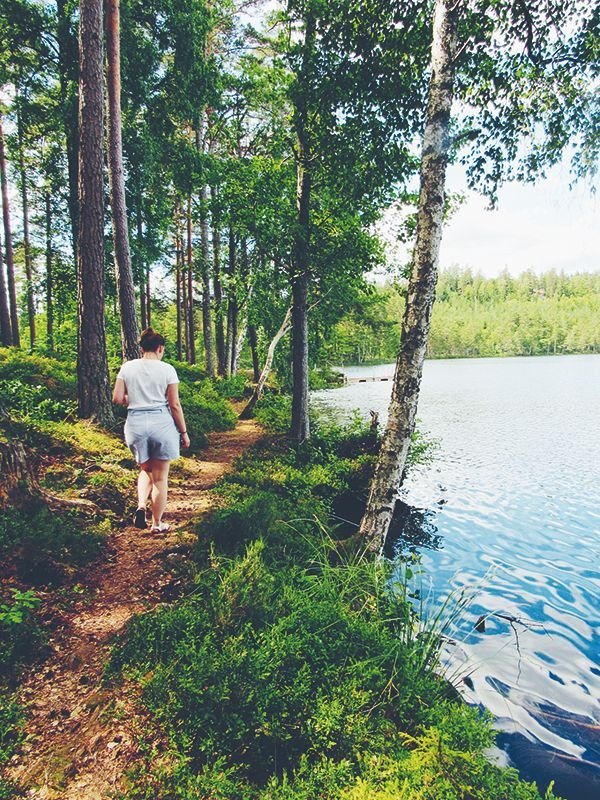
{"points": [[177, 411], [120, 393]]}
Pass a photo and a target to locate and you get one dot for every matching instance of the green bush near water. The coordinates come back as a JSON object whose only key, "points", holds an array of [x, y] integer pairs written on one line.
{"points": [[293, 673]]}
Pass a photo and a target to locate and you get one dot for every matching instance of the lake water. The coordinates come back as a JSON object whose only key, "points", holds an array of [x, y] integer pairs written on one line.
{"points": [[509, 508]]}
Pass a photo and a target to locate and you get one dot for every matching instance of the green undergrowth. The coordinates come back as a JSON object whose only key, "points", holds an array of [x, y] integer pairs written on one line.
{"points": [[44, 546], [40, 394], [41, 551], [11, 735], [296, 668], [205, 410]]}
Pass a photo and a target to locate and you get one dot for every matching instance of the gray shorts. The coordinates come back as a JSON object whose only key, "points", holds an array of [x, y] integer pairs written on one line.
{"points": [[152, 433]]}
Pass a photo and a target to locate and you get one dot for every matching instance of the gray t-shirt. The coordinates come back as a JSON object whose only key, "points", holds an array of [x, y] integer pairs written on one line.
{"points": [[146, 381]]}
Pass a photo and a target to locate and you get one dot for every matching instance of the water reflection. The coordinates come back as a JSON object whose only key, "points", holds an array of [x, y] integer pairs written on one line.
{"points": [[412, 529]]}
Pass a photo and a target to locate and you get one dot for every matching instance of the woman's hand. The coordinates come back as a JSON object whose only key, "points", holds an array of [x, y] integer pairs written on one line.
{"points": [[185, 440]]}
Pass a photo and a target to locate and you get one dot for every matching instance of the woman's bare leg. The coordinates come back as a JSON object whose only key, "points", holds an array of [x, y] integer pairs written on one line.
{"points": [[144, 484], [160, 487]]}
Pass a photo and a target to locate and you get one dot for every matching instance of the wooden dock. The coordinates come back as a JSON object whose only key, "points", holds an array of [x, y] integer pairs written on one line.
{"points": [[348, 379]]}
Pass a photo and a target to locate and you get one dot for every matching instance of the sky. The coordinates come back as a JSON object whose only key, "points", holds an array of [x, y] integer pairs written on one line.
{"points": [[539, 227]]}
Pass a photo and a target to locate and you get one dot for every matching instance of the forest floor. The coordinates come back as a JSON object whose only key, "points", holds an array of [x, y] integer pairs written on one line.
{"points": [[82, 734]]}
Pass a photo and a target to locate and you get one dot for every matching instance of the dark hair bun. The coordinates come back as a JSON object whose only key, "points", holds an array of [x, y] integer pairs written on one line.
{"points": [[151, 340]]}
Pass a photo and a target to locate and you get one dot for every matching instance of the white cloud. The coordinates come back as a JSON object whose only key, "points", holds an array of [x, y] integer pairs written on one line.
{"points": [[538, 226]]}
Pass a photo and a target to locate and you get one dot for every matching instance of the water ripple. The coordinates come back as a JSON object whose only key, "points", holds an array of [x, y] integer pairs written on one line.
{"points": [[513, 493]]}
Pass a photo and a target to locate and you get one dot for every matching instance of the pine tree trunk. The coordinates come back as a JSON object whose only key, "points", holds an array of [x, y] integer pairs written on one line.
{"points": [[300, 421], [68, 61], [29, 289], [8, 247], [231, 303], [5, 328], [148, 295], [389, 470], [253, 340], [92, 364], [179, 279], [207, 331], [191, 353], [179, 304], [300, 279], [130, 333], [218, 289], [234, 317], [49, 278], [141, 271], [186, 316], [248, 411]]}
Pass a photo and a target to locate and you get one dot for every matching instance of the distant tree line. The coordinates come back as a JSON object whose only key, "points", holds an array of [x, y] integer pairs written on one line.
{"points": [[473, 316]]}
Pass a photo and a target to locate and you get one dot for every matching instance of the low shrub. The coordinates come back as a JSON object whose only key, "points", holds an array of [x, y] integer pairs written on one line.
{"points": [[295, 683], [234, 387], [11, 735], [291, 672], [21, 636], [23, 400], [58, 376], [274, 412], [287, 496], [263, 666], [205, 410], [45, 547]]}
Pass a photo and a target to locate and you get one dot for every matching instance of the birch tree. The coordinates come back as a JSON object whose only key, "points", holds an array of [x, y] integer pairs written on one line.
{"points": [[421, 290], [513, 132]]}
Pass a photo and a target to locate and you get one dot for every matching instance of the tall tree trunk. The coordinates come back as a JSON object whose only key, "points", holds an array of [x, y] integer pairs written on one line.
{"points": [[207, 331], [231, 333], [239, 344], [148, 294], [218, 289], [300, 421], [248, 411], [179, 298], [5, 328], [49, 277], [130, 333], [8, 247], [233, 325], [300, 279], [179, 279], [389, 470], [141, 269], [186, 316], [207, 334], [191, 353], [29, 289], [92, 364], [253, 340], [68, 60]]}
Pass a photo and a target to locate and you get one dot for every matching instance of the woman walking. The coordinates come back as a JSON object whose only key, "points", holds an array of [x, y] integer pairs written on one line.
{"points": [[155, 422]]}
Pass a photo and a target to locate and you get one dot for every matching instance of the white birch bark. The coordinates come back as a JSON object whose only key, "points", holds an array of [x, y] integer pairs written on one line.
{"points": [[285, 327], [389, 470]]}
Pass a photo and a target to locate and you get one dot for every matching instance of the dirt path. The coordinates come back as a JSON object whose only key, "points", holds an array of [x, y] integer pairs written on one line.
{"points": [[83, 736]]}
